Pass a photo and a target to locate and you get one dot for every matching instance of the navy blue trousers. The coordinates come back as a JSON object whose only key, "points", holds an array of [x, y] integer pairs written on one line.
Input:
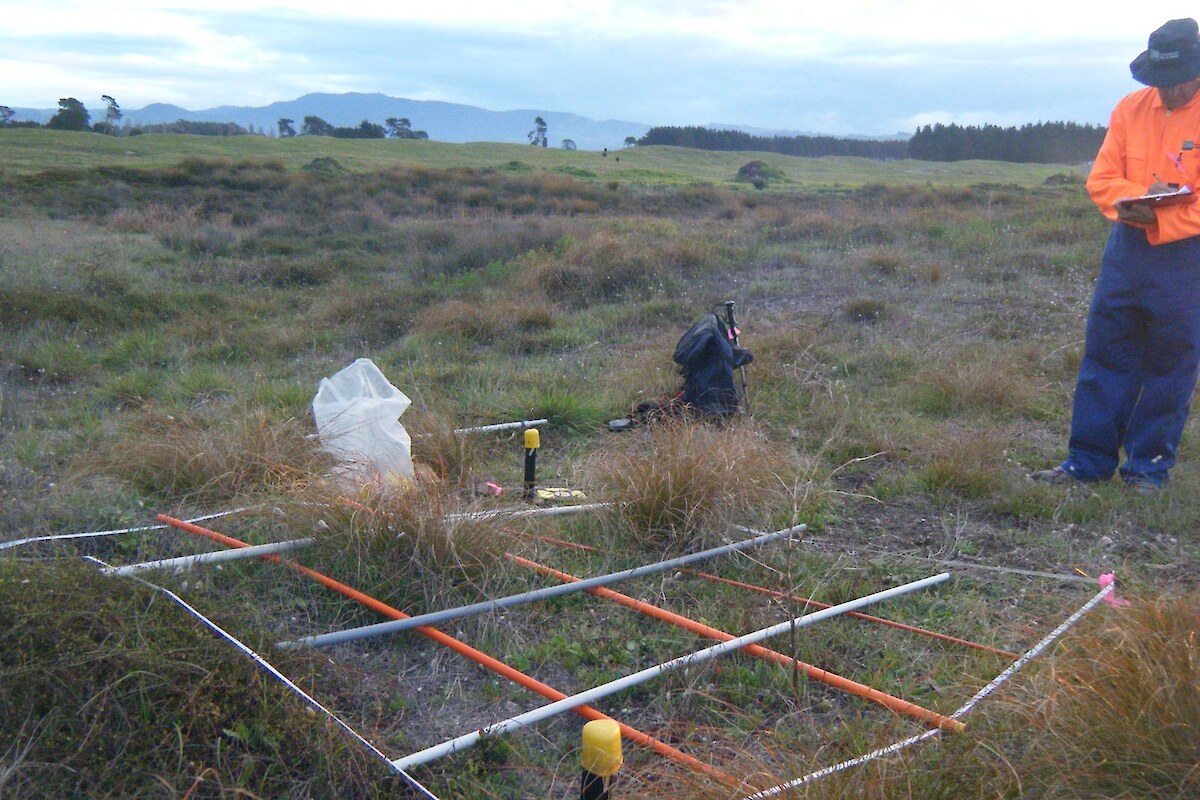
{"points": [[1140, 359]]}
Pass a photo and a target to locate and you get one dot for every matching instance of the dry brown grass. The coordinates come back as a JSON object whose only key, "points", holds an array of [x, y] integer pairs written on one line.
{"points": [[451, 457], [397, 537], [680, 484], [1118, 712], [199, 458], [973, 383]]}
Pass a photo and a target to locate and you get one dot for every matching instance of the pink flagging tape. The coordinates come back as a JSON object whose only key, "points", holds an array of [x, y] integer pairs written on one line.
{"points": [[1109, 579]]}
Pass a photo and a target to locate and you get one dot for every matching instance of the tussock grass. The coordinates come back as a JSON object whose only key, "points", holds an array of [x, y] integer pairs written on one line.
{"points": [[204, 458], [966, 461], [968, 383], [607, 266], [452, 457], [680, 485], [568, 410], [460, 318], [1117, 714], [397, 540]]}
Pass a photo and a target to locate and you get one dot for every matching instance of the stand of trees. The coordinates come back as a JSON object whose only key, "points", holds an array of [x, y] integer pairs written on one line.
{"points": [[1041, 143], [401, 128], [709, 139], [73, 116], [193, 128], [315, 126]]}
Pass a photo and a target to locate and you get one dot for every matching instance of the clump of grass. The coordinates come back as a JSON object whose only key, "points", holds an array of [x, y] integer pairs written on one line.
{"points": [[885, 261], [866, 311], [197, 457], [452, 457], [969, 463], [680, 484], [397, 538], [460, 318], [568, 409], [606, 267], [56, 359], [1118, 713], [990, 385]]}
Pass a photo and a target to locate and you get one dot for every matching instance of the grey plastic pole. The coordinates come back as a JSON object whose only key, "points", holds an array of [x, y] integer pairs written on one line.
{"points": [[438, 617], [591, 695], [212, 558]]}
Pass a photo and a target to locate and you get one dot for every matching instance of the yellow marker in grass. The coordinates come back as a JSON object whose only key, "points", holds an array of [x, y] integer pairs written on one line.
{"points": [[533, 440], [601, 758]]}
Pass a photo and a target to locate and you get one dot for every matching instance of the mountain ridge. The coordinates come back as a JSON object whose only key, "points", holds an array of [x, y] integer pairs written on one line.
{"points": [[443, 121]]}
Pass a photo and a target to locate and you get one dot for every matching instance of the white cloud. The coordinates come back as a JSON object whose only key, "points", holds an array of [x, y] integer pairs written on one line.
{"points": [[868, 66]]}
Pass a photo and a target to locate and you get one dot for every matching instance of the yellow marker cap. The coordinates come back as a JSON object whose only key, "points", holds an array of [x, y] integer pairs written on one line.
{"points": [[602, 747], [533, 439]]}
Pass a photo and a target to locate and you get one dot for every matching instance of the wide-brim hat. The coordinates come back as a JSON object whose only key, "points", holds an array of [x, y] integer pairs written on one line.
{"points": [[1172, 56]]}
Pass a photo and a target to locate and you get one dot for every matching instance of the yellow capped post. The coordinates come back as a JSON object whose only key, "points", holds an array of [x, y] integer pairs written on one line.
{"points": [[533, 440], [601, 758]]}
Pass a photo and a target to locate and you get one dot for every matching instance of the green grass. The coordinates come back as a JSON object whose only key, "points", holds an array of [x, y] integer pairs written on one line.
{"points": [[29, 151], [168, 305]]}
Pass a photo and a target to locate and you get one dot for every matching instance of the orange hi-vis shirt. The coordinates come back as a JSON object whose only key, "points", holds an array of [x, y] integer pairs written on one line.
{"points": [[1146, 142]]}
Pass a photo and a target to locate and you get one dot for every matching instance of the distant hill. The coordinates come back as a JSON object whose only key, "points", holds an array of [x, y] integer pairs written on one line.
{"points": [[444, 122]]}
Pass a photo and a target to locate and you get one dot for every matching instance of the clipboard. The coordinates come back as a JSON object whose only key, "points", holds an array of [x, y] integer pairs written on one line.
{"points": [[1181, 196]]}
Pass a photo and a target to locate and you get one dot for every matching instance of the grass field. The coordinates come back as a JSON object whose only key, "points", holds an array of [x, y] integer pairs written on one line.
{"points": [[168, 305]]}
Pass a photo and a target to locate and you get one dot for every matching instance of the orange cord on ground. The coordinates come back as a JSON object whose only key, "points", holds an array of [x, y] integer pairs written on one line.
{"points": [[481, 658], [816, 673], [810, 602]]}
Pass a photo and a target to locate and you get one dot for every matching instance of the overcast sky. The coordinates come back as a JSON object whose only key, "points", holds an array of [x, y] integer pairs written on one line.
{"points": [[825, 66]]}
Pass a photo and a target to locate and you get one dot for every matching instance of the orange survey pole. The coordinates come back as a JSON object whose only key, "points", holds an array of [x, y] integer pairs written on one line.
{"points": [[890, 623], [478, 656], [816, 673]]}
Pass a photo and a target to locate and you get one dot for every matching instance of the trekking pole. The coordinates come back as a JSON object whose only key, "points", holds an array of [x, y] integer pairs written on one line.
{"points": [[731, 325]]}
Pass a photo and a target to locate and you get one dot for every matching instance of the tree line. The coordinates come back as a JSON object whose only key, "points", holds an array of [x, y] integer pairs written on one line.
{"points": [[1040, 143], [811, 146], [72, 115]]}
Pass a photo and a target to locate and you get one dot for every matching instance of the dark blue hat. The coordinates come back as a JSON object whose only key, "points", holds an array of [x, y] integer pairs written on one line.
{"points": [[1172, 57]]}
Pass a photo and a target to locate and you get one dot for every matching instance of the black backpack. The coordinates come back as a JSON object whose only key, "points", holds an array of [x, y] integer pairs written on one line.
{"points": [[707, 357]]}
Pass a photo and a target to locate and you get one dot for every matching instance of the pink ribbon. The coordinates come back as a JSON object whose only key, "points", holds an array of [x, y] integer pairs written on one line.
{"points": [[1109, 579]]}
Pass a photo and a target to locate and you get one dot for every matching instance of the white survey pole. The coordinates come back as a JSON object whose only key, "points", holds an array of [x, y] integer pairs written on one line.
{"points": [[503, 426], [215, 557]]}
